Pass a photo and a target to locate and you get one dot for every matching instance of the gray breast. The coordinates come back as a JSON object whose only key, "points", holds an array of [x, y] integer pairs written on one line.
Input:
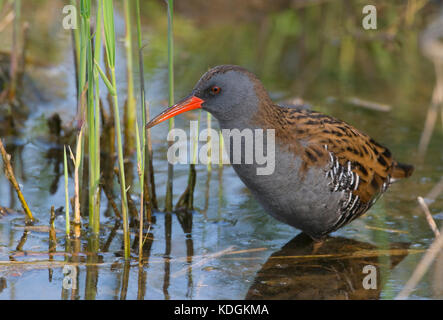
{"points": [[305, 203]]}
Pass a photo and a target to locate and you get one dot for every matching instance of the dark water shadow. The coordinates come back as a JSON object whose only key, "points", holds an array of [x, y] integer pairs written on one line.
{"points": [[3, 284], [334, 270], [185, 218]]}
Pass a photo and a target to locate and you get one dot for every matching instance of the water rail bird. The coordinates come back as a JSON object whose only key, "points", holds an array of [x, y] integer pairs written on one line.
{"points": [[327, 173]]}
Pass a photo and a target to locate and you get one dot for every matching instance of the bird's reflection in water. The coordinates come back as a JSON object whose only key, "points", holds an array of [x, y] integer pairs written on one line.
{"points": [[303, 270]]}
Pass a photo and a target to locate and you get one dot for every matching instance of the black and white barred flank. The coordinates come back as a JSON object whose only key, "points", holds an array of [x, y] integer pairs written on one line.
{"points": [[343, 179]]}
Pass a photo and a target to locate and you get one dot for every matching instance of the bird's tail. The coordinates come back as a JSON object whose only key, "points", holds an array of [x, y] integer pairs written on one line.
{"points": [[402, 170]]}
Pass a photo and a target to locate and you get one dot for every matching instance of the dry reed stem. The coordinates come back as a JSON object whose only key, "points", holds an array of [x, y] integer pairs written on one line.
{"points": [[9, 172], [140, 234], [205, 259], [52, 233], [22, 64], [13, 67], [371, 105], [422, 267], [432, 48], [428, 215], [22, 241], [7, 20], [111, 201], [38, 229], [5, 211], [131, 205], [54, 263], [436, 190], [77, 217], [431, 118], [202, 262], [247, 251], [434, 193], [336, 256], [147, 235], [386, 230]]}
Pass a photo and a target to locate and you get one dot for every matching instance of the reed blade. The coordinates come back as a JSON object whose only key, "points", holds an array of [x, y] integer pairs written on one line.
{"points": [[169, 189], [108, 21]]}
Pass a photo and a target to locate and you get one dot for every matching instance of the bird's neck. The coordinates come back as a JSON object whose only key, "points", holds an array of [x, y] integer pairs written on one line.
{"points": [[268, 116], [263, 115]]}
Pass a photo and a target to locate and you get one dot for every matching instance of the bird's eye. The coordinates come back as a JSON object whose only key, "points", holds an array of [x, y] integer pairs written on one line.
{"points": [[215, 90]]}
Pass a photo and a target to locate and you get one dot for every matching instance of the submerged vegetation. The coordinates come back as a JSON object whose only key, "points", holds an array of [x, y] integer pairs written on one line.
{"points": [[114, 183]]}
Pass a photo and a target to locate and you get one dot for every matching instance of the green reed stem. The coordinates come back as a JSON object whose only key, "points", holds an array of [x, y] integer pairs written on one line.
{"points": [[142, 83], [171, 57], [221, 149], [76, 37], [146, 138], [13, 71], [83, 89], [85, 36], [108, 20], [75, 34], [186, 200], [83, 41], [122, 170], [130, 107], [95, 152], [195, 149], [169, 192], [68, 222], [209, 141], [92, 115], [141, 152], [140, 169]]}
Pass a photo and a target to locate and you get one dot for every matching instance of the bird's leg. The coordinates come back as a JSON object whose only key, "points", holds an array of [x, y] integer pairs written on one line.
{"points": [[316, 245]]}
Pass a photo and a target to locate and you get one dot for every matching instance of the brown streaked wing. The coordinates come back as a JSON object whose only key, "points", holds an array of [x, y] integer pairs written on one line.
{"points": [[306, 133]]}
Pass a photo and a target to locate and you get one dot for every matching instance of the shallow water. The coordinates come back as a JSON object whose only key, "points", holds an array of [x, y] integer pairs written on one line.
{"points": [[229, 248]]}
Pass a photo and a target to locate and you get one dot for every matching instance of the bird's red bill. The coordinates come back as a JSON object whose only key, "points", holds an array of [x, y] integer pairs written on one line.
{"points": [[187, 104]]}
